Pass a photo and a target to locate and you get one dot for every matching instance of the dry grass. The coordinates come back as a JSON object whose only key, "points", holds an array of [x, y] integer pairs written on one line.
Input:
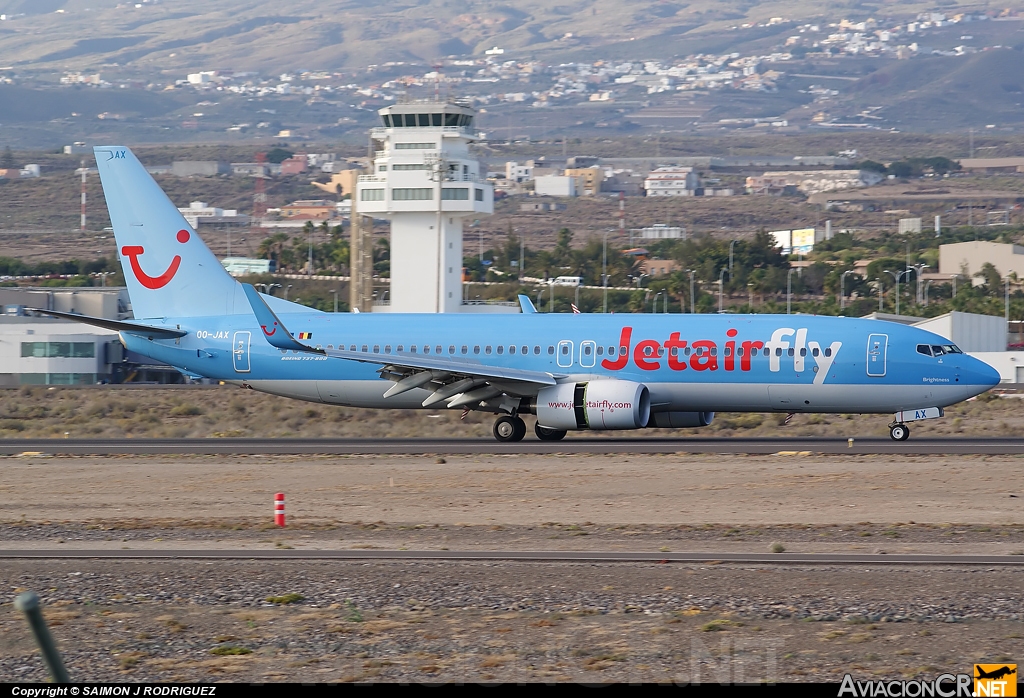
{"points": [[98, 412]]}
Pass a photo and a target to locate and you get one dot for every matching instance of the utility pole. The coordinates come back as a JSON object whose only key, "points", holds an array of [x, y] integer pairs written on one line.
{"points": [[84, 171]]}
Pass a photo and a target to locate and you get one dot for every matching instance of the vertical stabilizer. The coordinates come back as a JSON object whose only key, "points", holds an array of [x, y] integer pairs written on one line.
{"points": [[169, 271]]}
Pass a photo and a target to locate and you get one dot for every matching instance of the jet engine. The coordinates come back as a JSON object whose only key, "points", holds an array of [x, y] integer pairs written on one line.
{"points": [[680, 420], [598, 405]]}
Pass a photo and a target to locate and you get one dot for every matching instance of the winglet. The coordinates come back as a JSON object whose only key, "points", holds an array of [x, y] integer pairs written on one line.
{"points": [[274, 330], [526, 304]]}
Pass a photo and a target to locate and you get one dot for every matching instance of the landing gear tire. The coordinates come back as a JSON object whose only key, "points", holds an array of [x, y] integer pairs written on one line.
{"points": [[508, 428], [899, 432], [545, 434]]}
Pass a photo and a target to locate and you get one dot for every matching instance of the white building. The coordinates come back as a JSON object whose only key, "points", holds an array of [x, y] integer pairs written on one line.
{"points": [[554, 185], [514, 172], [425, 182], [672, 181], [660, 231], [42, 351], [198, 212]]}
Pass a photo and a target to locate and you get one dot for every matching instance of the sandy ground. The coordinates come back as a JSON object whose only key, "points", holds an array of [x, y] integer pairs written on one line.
{"points": [[520, 490], [171, 620]]}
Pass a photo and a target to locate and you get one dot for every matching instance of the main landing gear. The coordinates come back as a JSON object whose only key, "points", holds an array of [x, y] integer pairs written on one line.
{"points": [[899, 432], [512, 428], [509, 428]]}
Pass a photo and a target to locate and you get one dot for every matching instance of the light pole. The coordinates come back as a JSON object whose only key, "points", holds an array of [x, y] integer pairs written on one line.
{"points": [[286, 290], [721, 289], [731, 243], [878, 283], [1006, 302], [604, 272], [842, 289], [691, 272], [789, 291], [551, 297], [334, 292], [918, 268], [656, 296], [953, 279], [927, 284], [897, 276], [539, 296]]}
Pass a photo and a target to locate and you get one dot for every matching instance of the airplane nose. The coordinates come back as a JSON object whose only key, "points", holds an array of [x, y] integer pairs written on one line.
{"points": [[983, 373]]}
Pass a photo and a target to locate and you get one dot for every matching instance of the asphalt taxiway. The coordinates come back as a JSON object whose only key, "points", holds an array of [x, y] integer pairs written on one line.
{"points": [[213, 446]]}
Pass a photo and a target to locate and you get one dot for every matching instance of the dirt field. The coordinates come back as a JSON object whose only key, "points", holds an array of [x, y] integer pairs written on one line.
{"points": [[502, 621], [227, 411]]}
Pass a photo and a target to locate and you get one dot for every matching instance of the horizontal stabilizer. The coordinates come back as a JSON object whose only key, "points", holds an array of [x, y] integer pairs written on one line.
{"points": [[274, 330], [117, 325]]}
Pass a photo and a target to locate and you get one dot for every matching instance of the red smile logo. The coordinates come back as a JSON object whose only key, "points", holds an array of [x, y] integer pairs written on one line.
{"points": [[269, 333], [153, 282]]}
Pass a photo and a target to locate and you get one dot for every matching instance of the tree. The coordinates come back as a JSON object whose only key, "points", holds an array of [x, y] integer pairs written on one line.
{"points": [[278, 155], [993, 281]]}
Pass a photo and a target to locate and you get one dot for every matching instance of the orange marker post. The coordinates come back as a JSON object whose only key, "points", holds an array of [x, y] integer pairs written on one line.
{"points": [[279, 509]]}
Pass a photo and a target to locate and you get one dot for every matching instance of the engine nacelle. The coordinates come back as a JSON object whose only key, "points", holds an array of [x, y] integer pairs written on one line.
{"points": [[598, 405], [680, 420]]}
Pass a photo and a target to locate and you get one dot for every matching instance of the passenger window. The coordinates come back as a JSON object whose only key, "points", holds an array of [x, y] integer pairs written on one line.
{"points": [[501, 349], [437, 349], [661, 351], [451, 349], [790, 351], [714, 351], [586, 350], [465, 349], [551, 350], [387, 348], [611, 351], [565, 349], [686, 351], [600, 351], [727, 351], [803, 351], [778, 351], [376, 348], [330, 346], [426, 349], [399, 349], [814, 351], [739, 351], [364, 348], [352, 348], [623, 351], [412, 349], [526, 349], [476, 350], [512, 349], [828, 351], [487, 349], [536, 350]]}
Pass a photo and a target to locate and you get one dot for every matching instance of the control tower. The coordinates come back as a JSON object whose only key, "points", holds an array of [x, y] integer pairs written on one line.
{"points": [[425, 182]]}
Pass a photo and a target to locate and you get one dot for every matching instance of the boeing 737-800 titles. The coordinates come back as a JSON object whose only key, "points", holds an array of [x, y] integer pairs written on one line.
{"points": [[574, 372]]}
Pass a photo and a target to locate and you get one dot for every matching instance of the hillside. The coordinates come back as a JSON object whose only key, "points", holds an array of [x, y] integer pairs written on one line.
{"points": [[180, 35]]}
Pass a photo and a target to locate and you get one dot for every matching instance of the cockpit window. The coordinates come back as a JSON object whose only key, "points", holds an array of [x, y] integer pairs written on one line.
{"points": [[938, 349]]}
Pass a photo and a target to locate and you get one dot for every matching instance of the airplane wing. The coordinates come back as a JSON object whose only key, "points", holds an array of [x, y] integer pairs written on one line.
{"points": [[117, 325], [408, 370]]}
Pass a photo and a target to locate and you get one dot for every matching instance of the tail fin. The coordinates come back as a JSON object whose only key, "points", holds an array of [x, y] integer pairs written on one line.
{"points": [[169, 271]]}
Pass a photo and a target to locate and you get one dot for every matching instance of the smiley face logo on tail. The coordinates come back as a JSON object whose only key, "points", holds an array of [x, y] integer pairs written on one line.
{"points": [[154, 282], [269, 333]]}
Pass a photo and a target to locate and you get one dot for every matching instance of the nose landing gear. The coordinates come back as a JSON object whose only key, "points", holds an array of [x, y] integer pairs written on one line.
{"points": [[899, 432], [509, 428]]}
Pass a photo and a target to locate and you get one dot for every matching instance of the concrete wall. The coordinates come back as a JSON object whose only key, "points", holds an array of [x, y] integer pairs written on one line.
{"points": [[554, 185], [969, 331], [1004, 257], [16, 369]]}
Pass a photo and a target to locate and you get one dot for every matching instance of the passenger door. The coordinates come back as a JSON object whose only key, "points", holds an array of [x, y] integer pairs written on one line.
{"points": [[563, 354], [877, 347], [240, 351]]}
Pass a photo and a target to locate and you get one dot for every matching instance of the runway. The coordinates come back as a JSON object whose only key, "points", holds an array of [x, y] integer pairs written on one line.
{"points": [[527, 556], [783, 446]]}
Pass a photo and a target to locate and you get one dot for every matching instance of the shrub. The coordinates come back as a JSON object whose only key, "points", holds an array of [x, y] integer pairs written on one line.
{"points": [[185, 411], [291, 597]]}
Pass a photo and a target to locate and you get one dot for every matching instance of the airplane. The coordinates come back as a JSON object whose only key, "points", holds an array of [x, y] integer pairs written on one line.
{"points": [[995, 673], [575, 372]]}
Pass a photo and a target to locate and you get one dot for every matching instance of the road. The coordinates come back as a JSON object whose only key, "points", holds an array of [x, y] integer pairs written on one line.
{"points": [[525, 556], [102, 447]]}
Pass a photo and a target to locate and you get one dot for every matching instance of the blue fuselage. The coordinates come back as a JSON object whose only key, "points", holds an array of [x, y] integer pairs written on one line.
{"points": [[788, 363]]}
